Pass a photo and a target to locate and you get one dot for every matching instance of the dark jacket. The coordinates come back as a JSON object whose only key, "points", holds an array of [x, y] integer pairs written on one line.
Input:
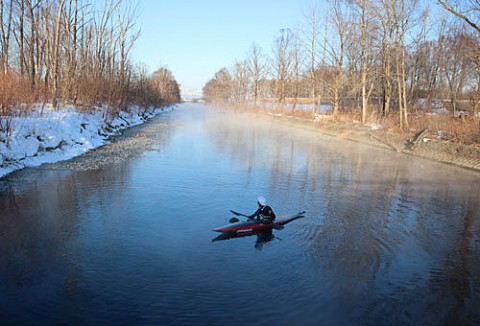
{"points": [[264, 214]]}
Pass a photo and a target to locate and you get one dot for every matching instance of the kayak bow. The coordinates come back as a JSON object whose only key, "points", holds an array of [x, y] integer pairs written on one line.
{"points": [[252, 224]]}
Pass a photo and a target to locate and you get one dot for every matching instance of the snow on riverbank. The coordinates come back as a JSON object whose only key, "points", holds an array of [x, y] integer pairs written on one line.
{"points": [[47, 135]]}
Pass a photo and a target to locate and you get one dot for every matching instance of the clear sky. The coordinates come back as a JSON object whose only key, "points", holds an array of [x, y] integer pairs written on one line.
{"points": [[195, 38]]}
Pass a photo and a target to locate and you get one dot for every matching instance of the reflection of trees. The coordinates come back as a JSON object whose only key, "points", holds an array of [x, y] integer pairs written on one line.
{"points": [[39, 221], [34, 221], [448, 234], [375, 219], [460, 272], [42, 212], [356, 237], [384, 219]]}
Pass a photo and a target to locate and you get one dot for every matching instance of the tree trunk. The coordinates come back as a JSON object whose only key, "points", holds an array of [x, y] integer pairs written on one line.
{"points": [[6, 30], [364, 27], [55, 54], [33, 41], [21, 41]]}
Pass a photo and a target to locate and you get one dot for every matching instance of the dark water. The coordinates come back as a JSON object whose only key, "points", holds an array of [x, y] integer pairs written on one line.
{"points": [[387, 239]]}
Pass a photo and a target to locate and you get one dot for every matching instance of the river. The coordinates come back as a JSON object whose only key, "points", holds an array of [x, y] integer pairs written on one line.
{"points": [[386, 238]]}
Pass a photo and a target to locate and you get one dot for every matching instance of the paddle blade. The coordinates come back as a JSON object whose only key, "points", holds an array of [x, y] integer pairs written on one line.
{"points": [[237, 213]]}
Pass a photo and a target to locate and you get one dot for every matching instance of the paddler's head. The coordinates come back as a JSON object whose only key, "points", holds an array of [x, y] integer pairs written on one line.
{"points": [[261, 201]]}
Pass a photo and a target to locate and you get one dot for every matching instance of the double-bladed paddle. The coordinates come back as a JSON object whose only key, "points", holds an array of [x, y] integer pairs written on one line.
{"points": [[239, 214], [274, 226]]}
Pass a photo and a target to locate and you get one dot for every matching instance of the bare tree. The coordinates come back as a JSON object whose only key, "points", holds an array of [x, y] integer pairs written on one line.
{"points": [[71, 18], [469, 12], [458, 65], [218, 89], [395, 23], [427, 59], [365, 24], [126, 39], [282, 65], [400, 63], [56, 47], [387, 24], [296, 71], [6, 32], [335, 49], [240, 82], [462, 9], [32, 41], [257, 67], [165, 86], [309, 36], [20, 37]]}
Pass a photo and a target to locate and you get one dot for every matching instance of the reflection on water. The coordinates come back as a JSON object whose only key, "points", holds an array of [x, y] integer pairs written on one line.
{"points": [[41, 219], [388, 238], [380, 218], [261, 237]]}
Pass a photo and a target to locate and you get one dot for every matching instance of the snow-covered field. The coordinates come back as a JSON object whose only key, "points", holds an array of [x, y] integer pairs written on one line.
{"points": [[47, 135]]}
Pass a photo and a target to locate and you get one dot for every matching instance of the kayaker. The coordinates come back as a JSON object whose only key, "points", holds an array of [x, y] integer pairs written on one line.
{"points": [[264, 213]]}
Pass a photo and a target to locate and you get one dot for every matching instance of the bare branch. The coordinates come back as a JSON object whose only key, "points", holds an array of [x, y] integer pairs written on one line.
{"points": [[459, 15]]}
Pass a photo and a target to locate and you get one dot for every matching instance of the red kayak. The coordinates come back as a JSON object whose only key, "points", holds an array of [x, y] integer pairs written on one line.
{"points": [[252, 224]]}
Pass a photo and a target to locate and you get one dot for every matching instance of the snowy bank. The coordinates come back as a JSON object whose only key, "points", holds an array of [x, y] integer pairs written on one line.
{"points": [[47, 135]]}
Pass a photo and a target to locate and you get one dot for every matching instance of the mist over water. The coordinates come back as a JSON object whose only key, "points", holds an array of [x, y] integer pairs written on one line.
{"points": [[387, 238]]}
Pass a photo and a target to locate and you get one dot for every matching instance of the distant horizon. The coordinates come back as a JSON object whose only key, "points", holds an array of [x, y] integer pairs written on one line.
{"points": [[190, 93]]}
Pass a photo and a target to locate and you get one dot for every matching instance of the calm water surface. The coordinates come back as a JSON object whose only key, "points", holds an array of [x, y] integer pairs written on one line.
{"points": [[387, 238]]}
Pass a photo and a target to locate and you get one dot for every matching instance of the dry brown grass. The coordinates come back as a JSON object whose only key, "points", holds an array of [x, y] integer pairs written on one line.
{"points": [[447, 128], [17, 94], [457, 130], [17, 97]]}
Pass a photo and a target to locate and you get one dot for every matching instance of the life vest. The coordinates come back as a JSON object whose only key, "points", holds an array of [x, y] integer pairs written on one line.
{"points": [[266, 215]]}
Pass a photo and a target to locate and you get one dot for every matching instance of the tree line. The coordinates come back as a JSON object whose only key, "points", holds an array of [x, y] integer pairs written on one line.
{"points": [[75, 52], [378, 57]]}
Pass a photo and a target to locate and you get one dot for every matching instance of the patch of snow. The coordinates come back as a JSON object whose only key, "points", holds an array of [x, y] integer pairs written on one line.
{"points": [[440, 111], [375, 126], [320, 117], [441, 134], [461, 113], [47, 135], [436, 106]]}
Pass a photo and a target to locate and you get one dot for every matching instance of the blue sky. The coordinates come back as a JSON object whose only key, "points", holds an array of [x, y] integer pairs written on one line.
{"points": [[195, 38]]}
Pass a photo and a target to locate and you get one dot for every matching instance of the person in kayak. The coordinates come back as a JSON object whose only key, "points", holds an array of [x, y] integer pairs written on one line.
{"points": [[264, 213]]}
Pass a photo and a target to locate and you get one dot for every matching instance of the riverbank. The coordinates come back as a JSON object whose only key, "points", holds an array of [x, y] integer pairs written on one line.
{"points": [[46, 135], [422, 144]]}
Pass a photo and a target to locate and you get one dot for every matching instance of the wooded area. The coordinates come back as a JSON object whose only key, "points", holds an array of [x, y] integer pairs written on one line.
{"points": [[397, 59], [75, 52]]}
